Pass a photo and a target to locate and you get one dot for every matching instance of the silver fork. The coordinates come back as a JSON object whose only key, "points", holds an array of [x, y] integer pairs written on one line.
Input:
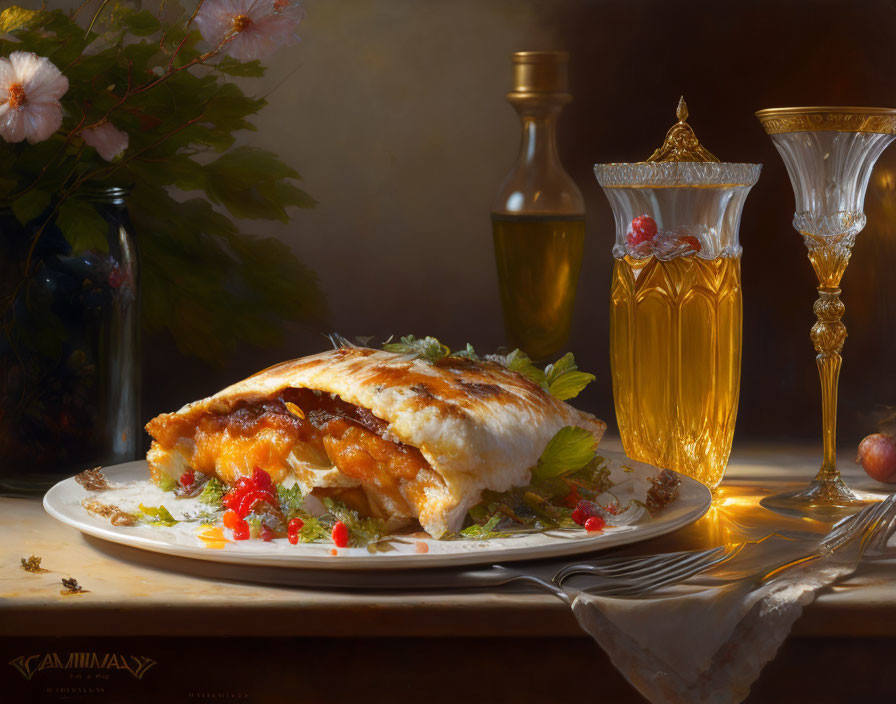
{"points": [[650, 565], [873, 526], [626, 577]]}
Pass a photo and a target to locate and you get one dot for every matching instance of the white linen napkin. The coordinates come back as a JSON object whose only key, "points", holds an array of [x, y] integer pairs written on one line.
{"points": [[706, 640]]}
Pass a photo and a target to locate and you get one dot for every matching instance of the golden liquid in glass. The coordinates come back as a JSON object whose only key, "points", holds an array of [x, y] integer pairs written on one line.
{"points": [[675, 350], [538, 258]]}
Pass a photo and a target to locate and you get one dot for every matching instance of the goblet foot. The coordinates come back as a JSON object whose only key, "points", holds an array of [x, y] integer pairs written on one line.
{"points": [[823, 500]]}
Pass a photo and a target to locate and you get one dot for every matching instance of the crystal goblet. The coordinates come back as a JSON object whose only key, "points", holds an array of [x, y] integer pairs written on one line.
{"points": [[829, 153]]}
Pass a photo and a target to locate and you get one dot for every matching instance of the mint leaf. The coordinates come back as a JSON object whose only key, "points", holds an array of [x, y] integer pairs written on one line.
{"points": [[563, 381], [570, 385], [157, 516], [519, 361], [429, 348], [569, 450], [566, 363]]}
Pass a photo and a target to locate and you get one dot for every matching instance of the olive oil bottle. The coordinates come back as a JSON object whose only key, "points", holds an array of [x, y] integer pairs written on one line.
{"points": [[538, 216]]}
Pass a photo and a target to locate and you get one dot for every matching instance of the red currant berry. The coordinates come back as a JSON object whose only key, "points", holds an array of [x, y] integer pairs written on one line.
{"points": [[295, 525], [579, 517], [187, 479], [340, 534], [261, 478], [267, 534], [643, 229], [593, 524], [691, 242], [293, 538], [241, 531]]}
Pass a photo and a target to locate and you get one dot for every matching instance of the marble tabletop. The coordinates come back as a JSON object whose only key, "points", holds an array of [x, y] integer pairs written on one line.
{"points": [[132, 592]]}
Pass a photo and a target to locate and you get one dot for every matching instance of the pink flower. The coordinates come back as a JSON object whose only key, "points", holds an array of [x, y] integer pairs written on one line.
{"points": [[30, 89], [249, 29], [107, 139]]}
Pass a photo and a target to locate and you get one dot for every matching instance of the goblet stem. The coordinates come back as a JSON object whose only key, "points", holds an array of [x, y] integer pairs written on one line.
{"points": [[828, 336]]}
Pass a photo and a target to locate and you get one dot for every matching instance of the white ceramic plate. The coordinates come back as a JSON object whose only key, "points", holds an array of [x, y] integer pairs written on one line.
{"points": [[63, 502]]}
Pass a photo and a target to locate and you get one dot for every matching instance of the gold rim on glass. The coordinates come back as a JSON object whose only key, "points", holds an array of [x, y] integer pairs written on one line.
{"points": [[828, 119]]}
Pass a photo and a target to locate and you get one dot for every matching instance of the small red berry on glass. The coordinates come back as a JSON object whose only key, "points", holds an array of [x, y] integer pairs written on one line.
{"points": [[187, 479], [691, 242], [266, 534], [579, 517], [340, 534], [643, 229], [594, 524]]}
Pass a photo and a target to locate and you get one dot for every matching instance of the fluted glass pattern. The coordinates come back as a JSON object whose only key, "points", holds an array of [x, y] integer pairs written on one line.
{"points": [[829, 172]]}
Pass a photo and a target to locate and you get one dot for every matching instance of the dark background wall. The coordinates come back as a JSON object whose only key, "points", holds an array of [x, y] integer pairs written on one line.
{"points": [[393, 111]]}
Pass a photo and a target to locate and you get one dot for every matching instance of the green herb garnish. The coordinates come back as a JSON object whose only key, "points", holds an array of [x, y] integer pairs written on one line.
{"points": [[481, 532], [562, 379], [157, 516], [291, 502], [569, 450], [213, 493], [428, 348], [166, 482], [363, 532]]}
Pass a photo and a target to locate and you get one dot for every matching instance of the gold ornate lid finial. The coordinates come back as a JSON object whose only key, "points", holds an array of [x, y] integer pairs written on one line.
{"points": [[681, 143]]}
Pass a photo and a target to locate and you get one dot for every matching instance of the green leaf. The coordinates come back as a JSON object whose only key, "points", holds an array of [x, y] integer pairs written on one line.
{"points": [[569, 450], [291, 501], [142, 24], [428, 348], [562, 379], [481, 532], [468, 353], [363, 532], [83, 227], [570, 385], [232, 67], [249, 183], [566, 363], [519, 361], [30, 206], [165, 482], [15, 17], [157, 516], [213, 493]]}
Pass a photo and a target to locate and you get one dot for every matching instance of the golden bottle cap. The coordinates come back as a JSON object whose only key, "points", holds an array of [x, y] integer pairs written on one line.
{"points": [[540, 73], [681, 143]]}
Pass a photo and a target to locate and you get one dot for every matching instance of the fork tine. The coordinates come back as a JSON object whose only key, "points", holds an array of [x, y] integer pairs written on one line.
{"points": [[877, 543], [865, 518], [634, 568], [670, 577]]}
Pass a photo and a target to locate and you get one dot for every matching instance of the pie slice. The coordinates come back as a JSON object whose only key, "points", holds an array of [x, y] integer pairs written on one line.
{"points": [[393, 436]]}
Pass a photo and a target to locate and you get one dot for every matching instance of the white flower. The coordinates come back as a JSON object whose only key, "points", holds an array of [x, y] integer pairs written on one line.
{"points": [[107, 139], [249, 29], [30, 89]]}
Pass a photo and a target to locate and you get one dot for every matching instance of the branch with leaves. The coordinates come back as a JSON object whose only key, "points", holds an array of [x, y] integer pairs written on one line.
{"points": [[144, 100]]}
